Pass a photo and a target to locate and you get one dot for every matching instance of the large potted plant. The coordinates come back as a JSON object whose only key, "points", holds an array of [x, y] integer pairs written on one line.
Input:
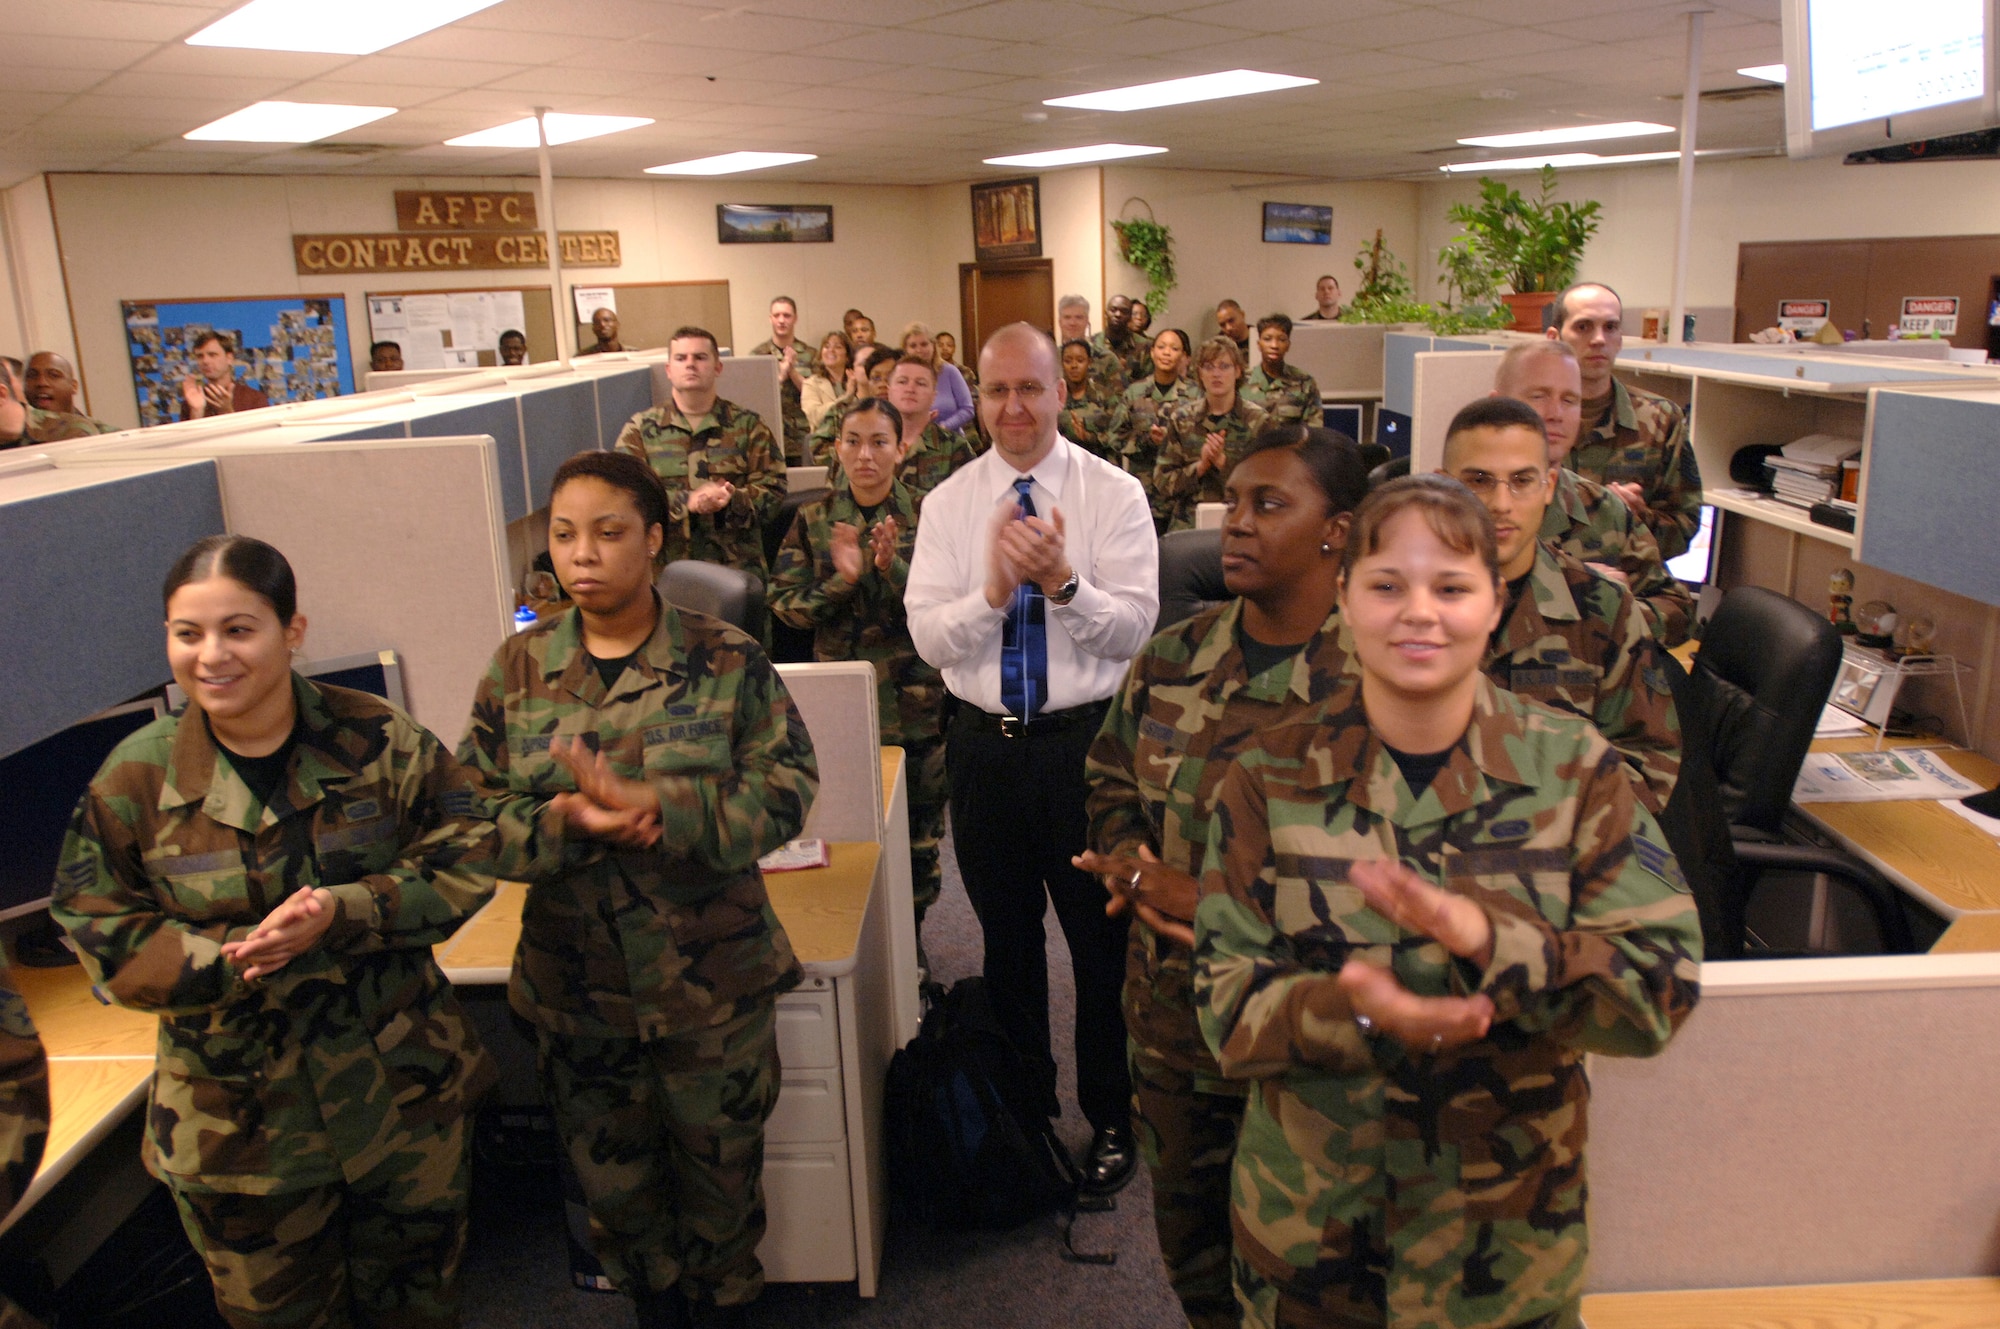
{"points": [[1148, 245], [1534, 245]]}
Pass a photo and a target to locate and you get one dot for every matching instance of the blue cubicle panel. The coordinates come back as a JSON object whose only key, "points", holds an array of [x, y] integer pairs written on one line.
{"points": [[501, 419], [369, 433], [621, 396], [95, 557], [557, 422], [1399, 370], [1933, 487], [1461, 344]]}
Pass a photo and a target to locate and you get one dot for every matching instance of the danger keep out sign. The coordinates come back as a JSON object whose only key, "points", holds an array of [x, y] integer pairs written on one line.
{"points": [[1925, 314], [1804, 316]]}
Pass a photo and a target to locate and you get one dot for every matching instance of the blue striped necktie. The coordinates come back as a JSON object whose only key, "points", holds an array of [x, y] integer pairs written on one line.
{"points": [[1024, 641]]}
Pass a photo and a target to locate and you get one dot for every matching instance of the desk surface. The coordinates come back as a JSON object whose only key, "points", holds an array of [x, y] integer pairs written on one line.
{"points": [[1938, 856], [892, 762], [1952, 1303]]}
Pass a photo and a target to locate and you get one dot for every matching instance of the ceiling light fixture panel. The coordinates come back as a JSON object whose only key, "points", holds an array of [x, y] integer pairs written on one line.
{"points": [[1180, 91], [561, 127], [1561, 160], [1765, 73], [287, 122], [732, 163], [332, 27], [1536, 138], [1095, 152]]}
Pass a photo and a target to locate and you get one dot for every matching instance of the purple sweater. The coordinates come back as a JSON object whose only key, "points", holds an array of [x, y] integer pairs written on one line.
{"points": [[954, 400]]}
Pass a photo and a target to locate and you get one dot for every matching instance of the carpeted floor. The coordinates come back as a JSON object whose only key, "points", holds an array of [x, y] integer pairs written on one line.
{"points": [[517, 1271]]}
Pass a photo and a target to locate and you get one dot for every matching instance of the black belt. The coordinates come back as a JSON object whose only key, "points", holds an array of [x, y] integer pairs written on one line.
{"points": [[1048, 722]]}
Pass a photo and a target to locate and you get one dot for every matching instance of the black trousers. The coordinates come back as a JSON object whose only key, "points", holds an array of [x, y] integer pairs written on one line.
{"points": [[1017, 815]]}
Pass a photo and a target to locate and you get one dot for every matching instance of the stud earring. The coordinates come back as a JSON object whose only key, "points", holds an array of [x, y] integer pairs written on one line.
{"points": [[1325, 547]]}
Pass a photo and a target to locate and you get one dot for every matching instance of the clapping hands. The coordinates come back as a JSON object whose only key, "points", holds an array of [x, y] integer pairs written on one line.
{"points": [[606, 806]]}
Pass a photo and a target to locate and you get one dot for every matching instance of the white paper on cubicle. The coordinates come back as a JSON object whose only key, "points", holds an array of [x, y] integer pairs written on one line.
{"points": [[1878, 777], [447, 330], [1990, 825], [590, 299]]}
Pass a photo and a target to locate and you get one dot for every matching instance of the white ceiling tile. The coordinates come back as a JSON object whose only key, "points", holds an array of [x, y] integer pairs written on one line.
{"points": [[741, 30], [179, 58], [1625, 26], [922, 78], [1489, 46], [663, 60], [457, 42], [109, 19], [598, 18], [422, 73], [1009, 20], [562, 81], [73, 52], [1148, 36]]}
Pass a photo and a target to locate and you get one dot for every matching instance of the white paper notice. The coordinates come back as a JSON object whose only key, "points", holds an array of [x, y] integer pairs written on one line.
{"points": [[590, 299], [1877, 777]]}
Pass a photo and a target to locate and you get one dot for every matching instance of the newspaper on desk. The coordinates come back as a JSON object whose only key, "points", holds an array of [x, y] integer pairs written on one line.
{"points": [[1878, 777]]}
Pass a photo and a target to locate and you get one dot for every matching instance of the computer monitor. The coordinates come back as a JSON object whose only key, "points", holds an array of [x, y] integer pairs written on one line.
{"points": [[1696, 567], [40, 787], [1392, 431], [378, 672], [1345, 418]]}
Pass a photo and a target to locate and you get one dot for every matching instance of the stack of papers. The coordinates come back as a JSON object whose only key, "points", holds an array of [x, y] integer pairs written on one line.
{"points": [[1878, 777], [1836, 723]]}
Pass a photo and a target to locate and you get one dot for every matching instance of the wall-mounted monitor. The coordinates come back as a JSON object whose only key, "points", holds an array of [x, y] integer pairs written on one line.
{"points": [[40, 786], [1866, 74]]}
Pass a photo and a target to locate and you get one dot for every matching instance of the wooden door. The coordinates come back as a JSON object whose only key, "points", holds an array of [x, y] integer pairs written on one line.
{"points": [[1834, 270], [992, 295], [1960, 265]]}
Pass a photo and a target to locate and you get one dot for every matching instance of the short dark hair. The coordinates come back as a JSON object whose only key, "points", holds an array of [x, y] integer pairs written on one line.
{"points": [[1226, 303], [1281, 322], [257, 567], [620, 470], [219, 338], [1327, 276], [689, 331], [906, 359], [1495, 413], [877, 404], [394, 345], [1187, 343], [1077, 341], [867, 353], [1331, 458], [1559, 309], [516, 334], [785, 300], [851, 315]]}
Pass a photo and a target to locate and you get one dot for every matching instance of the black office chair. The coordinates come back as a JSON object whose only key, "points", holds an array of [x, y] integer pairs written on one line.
{"points": [[730, 594], [1190, 575], [1393, 469], [1373, 454], [789, 645], [1747, 710]]}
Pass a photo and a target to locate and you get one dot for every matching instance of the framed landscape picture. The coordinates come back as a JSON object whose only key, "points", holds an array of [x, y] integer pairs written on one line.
{"points": [[1007, 219], [1297, 224], [774, 223]]}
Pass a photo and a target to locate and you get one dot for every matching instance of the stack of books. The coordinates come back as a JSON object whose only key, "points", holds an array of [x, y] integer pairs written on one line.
{"points": [[1808, 471]]}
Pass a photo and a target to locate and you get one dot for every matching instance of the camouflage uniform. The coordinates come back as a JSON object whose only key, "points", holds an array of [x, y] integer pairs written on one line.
{"points": [[728, 443], [1134, 356], [1144, 405], [792, 404], [1107, 368], [1290, 398], [1593, 525], [1576, 641], [1374, 1186], [54, 427], [939, 452], [1642, 438], [24, 1116], [1188, 428], [650, 976], [1086, 420], [1186, 714], [310, 1124], [864, 621]]}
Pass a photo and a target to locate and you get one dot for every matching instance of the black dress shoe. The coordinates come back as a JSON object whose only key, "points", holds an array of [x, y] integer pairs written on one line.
{"points": [[1110, 1161]]}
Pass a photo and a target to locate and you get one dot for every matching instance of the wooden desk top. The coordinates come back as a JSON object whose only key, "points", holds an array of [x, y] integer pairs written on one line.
{"points": [[821, 909], [1969, 932], [1952, 1303], [892, 765], [74, 1023], [1936, 855]]}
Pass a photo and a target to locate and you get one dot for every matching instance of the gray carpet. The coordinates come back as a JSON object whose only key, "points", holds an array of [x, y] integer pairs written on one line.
{"points": [[517, 1271]]}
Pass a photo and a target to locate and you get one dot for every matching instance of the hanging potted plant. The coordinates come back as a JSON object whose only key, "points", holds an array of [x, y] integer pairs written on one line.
{"points": [[1148, 246], [1533, 244]]}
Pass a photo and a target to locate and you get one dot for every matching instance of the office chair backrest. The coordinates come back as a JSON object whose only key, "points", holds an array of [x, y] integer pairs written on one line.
{"points": [[1696, 829], [730, 594], [1190, 575], [1766, 666], [1393, 469], [780, 525]]}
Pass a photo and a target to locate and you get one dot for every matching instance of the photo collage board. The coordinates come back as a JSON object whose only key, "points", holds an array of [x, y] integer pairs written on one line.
{"points": [[290, 348]]}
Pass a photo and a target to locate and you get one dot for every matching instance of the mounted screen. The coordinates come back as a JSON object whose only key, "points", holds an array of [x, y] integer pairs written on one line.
{"points": [[1867, 74]]}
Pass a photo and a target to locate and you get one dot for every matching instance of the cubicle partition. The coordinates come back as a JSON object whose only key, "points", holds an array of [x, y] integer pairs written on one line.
{"points": [[1441, 385], [1932, 480], [1345, 359], [86, 552]]}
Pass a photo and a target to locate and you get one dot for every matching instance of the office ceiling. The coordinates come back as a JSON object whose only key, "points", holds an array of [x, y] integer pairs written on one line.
{"points": [[889, 91]]}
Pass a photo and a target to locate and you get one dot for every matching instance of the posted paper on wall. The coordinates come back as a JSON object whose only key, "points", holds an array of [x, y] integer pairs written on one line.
{"points": [[1878, 777]]}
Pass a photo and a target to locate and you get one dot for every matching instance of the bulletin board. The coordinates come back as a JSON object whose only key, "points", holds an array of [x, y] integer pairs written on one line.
{"points": [[648, 312], [289, 347], [460, 328]]}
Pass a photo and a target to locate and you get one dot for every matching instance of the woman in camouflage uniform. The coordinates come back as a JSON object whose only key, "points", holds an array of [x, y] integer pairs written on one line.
{"points": [[1423, 902], [1206, 436], [639, 760], [268, 870], [1138, 426], [1198, 695], [1087, 411]]}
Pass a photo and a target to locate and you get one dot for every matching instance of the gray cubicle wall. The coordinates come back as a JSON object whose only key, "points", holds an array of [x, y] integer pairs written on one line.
{"points": [[621, 395], [500, 419], [1934, 492], [1399, 369], [90, 552], [557, 422]]}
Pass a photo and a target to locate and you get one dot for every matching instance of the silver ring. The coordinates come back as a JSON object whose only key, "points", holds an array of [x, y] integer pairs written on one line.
{"points": [[1437, 1042], [1364, 1024], [1134, 883]]}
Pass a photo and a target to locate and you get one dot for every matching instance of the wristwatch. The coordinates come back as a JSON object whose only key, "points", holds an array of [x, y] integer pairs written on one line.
{"points": [[1066, 592]]}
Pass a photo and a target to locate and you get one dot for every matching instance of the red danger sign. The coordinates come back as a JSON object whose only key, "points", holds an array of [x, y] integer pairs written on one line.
{"points": [[1930, 315], [1945, 305], [1805, 309]]}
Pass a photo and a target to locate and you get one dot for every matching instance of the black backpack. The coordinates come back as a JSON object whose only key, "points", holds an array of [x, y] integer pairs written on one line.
{"points": [[968, 1144]]}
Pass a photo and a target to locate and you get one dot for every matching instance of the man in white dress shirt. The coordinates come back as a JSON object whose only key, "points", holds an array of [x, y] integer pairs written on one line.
{"points": [[1034, 583]]}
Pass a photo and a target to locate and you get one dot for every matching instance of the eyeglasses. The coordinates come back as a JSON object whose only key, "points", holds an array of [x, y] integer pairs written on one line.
{"points": [[1025, 393], [1523, 485]]}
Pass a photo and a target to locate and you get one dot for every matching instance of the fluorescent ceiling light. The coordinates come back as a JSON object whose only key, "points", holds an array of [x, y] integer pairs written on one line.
{"points": [[1559, 160], [287, 122], [1572, 134], [1177, 91], [562, 128], [730, 163], [1768, 73], [336, 27], [1095, 152]]}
